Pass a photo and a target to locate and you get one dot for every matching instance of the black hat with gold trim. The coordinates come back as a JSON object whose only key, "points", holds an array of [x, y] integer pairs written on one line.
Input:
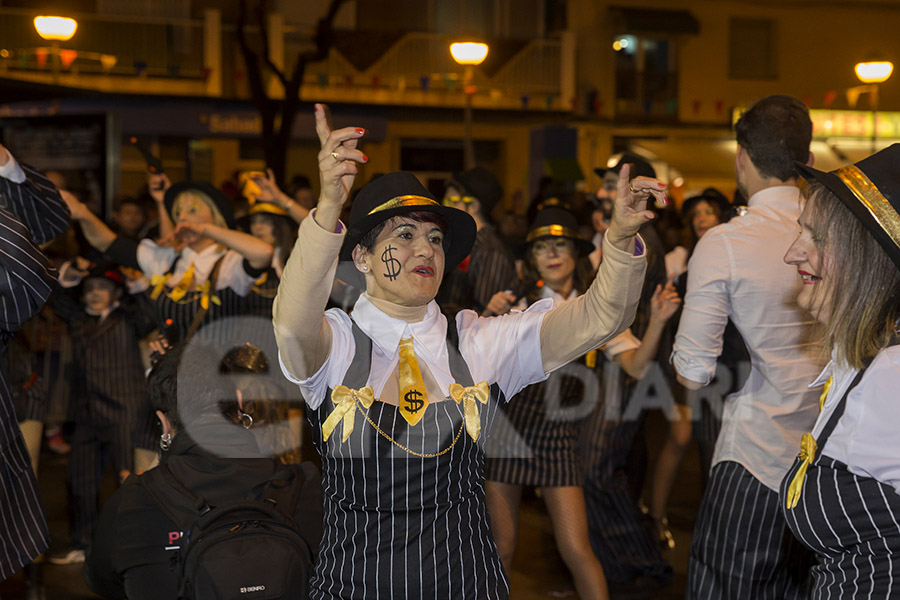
{"points": [[556, 222], [871, 190], [401, 193], [217, 196]]}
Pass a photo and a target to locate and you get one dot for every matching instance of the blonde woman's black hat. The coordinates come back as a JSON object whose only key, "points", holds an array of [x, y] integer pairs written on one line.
{"points": [[556, 222], [871, 190], [401, 193]]}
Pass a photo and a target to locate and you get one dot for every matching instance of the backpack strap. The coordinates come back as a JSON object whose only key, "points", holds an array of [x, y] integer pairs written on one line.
{"points": [[170, 495]]}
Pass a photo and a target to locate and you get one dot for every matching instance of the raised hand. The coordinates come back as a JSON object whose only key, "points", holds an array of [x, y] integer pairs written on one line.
{"points": [[665, 301], [630, 211], [268, 189], [157, 184], [499, 304], [338, 158]]}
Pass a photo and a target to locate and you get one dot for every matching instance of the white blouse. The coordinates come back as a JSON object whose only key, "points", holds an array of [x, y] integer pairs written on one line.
{"points": [[867, 438]]}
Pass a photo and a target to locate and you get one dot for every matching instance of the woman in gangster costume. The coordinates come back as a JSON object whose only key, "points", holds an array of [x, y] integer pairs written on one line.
{"points": [[841, 496], [399, 400]]}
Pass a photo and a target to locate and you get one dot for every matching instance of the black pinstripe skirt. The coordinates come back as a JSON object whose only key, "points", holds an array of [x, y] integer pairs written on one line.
{"points": [[538, 416]]}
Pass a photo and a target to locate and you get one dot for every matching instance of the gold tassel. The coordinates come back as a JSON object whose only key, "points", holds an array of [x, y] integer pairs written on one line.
{"points": [[469, 395]]}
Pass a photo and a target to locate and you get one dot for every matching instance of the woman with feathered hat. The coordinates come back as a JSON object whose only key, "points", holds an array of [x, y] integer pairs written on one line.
{"points": [[399, 400], [841, 496]]}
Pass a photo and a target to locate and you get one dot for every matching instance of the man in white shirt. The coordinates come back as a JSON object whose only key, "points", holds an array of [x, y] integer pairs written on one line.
{"points": [[741, 547]]}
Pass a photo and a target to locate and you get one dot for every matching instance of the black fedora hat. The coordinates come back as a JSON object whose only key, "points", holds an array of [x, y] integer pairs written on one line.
{"points": [[715, 198], [641, 166], [482, 185], [871, 190], [264, 208], [222, 202], [400, 193], [554, 221]]}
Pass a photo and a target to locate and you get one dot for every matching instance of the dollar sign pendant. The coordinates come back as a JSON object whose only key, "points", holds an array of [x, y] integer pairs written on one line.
{"points": [[390, 263]]}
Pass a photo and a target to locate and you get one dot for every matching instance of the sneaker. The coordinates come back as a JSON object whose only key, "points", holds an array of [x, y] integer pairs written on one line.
{"points": [[71, 556], [57, 444]]}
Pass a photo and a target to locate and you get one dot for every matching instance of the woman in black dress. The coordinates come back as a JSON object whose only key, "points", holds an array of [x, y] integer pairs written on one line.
{"points": [[399, 399]]}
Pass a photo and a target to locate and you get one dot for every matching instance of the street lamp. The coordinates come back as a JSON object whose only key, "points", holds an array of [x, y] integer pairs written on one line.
{"points": [[55, 30], [873, 72], [469, 55]]}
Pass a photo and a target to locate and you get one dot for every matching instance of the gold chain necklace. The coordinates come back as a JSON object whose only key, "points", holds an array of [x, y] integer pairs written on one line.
{"points": [[365, 415]]}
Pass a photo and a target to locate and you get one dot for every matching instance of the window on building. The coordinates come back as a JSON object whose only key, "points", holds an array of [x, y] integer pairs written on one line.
{"points": [[646, 77], [752, 49]]}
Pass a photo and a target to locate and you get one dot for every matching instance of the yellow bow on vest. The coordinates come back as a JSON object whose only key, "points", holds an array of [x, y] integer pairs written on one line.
{"points": [[206, 296], [468, 395], [345, 399], [183, 286], [413, 397], [159, 283], [808, 448]]}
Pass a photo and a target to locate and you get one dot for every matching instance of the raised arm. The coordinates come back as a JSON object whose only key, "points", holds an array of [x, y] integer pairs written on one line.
{"points": [[301, 330], [257, 252], [663, 305], [97, 233], [270, 192], [157, 184], [609, 305]]}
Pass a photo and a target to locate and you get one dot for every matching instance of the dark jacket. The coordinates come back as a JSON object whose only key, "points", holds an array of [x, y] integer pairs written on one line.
{"points": [[135, 545]]}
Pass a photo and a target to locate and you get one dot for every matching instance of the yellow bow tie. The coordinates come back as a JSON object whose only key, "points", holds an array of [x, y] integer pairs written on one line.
{"points": [[183, 286], [468, 395], [808, 448], [345, 399]]}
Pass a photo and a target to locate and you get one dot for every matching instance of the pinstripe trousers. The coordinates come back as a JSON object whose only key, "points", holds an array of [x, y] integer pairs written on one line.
{"points": [[742, 548]]}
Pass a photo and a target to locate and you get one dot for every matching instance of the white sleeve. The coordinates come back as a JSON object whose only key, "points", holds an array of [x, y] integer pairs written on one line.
{"points": [[232, 274], [701, 329], [621, 343], [332, 371], [504, 349], [11, 170], [153, 258], [874, 447]]}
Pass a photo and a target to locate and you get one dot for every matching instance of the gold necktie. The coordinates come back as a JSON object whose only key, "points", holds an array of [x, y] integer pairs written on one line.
{"points": [[808, 449], [413, 397], [184, 285]]}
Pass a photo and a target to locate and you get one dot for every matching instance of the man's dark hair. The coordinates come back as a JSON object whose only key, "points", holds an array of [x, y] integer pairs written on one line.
{"points": [[775, 132], [185, 384]]}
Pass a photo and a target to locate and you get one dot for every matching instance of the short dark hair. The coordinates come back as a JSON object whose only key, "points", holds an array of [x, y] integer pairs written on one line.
{"points": [[367, 242], [195, 396], [775, 132]]}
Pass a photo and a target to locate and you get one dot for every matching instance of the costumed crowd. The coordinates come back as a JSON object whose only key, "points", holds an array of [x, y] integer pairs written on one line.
{"points": [[352, 396]]}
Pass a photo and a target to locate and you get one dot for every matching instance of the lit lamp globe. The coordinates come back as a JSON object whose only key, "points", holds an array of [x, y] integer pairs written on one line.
{"points": [[874, 71], [57, 29], [469, 53]]}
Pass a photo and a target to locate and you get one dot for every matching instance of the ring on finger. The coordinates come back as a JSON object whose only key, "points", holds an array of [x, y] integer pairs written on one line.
{"points": [[336, 156], [630, 186]]}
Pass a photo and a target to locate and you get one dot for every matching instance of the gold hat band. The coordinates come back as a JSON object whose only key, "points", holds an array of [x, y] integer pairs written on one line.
{"points": [[551, 231], [404, 201], [874, 201]]}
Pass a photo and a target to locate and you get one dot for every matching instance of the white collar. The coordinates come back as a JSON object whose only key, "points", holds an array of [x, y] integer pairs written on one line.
{"points": [[385, 331], [547, 292], [191, 255]]}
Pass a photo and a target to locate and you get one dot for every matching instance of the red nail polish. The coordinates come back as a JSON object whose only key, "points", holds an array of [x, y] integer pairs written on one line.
{"points": [[365, 158], [361, 131]]}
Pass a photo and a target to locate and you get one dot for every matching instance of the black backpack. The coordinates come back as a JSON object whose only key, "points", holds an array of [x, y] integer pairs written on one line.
{"points": [[250, 549]]}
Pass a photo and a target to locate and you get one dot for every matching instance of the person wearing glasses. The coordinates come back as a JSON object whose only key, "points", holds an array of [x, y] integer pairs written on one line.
{"points": [[490, 267], [401, 400]]}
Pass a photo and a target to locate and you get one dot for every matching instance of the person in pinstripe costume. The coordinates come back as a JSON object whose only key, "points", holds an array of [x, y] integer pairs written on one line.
{"points": [[543, 414], [841, 498], [107, 392], [741, 547], [399, 400], [31, 213]]}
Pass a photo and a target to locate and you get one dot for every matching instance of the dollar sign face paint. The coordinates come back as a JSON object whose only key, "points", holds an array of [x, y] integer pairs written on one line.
{"points": [[391, 264]]}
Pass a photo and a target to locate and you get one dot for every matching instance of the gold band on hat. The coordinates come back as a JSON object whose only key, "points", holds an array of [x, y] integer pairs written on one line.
{"points": [[874, 201], [551, 231], [404, 201]]}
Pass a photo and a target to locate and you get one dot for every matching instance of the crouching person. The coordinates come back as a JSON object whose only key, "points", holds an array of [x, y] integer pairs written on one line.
{"points": [[216, 518]]}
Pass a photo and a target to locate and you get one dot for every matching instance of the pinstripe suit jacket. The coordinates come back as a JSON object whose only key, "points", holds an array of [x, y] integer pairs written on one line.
{"points": [[31, 213]]}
